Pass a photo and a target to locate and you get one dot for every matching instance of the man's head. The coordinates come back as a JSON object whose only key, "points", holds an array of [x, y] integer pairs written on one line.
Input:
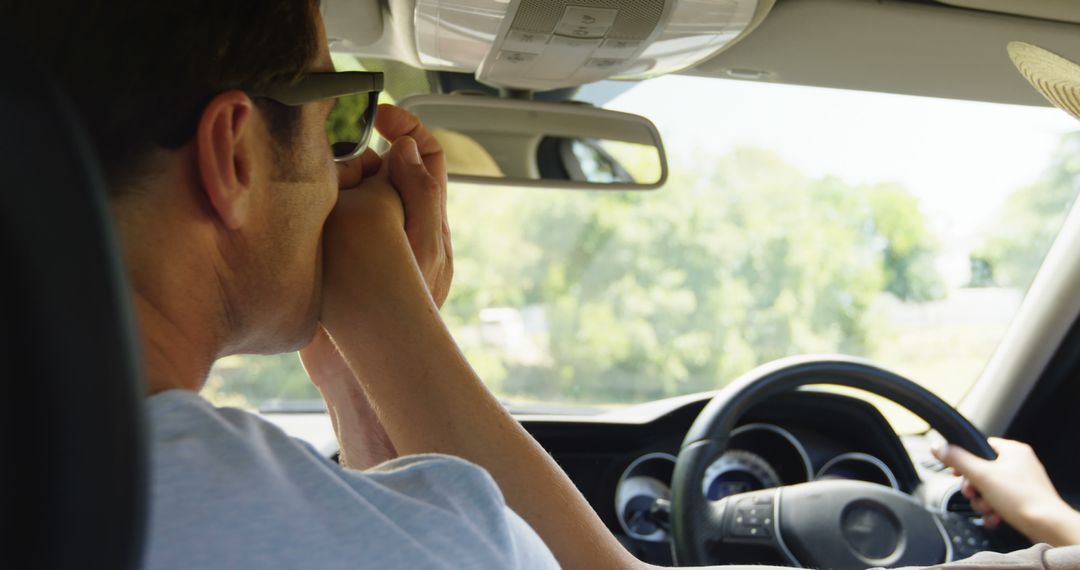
{"points": [[220, 197]]}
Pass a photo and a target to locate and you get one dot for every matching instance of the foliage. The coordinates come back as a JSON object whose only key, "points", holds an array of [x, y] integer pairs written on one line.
{"points": [[1028, 222], [247, 381], [637, 296], [644, 295], [908, 247]]}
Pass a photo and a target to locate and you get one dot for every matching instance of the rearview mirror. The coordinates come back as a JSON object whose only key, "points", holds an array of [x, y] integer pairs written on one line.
{"points": [[513, 142]]}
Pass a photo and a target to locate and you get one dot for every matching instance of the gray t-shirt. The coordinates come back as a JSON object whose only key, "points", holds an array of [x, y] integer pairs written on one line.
{"points": [[230, 490]]}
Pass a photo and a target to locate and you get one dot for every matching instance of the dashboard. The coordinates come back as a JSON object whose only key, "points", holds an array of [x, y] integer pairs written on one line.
{"points": [[623, 461]]}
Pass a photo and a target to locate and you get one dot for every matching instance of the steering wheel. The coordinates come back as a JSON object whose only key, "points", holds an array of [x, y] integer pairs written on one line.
{"points": [[822, 524]]}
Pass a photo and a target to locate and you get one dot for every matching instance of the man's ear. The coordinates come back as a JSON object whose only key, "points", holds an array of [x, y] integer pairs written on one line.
{"points": [[226, 150]]}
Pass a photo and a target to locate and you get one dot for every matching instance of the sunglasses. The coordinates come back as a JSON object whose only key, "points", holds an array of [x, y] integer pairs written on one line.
{"points": [[349, 125]]}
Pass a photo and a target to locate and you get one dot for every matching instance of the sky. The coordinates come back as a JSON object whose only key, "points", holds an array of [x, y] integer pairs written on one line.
{"points": [[960, 158]]}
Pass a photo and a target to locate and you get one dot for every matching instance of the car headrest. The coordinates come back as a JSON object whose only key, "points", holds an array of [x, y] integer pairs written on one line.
{"points": [[73, 485]]}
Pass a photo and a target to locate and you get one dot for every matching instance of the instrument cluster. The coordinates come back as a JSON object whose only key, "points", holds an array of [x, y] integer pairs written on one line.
{"points": [[759, 456]]}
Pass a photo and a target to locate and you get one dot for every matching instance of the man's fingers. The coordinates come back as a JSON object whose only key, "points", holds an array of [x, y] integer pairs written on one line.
{"points": [[992, 521], [394, 122], [420, 193], [982, 506], [362, 168], [353, 172], [371, 162]]}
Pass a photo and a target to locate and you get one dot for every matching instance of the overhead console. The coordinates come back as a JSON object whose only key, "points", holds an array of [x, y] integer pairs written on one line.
{"points": [[520, 47], [549, 44], [539, 45]]}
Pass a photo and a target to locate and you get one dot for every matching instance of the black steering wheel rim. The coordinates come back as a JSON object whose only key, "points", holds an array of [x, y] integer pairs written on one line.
{"points": [[707, 438]]}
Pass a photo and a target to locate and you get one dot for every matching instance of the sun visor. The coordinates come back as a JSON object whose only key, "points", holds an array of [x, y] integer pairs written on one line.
{"points": [[549, 44]]}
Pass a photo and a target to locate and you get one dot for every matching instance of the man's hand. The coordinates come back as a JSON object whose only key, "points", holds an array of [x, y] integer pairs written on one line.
{"points": [[365, 234], [381, 198], [387, 265], [415, 166], [1014, 488], [423, 193]]}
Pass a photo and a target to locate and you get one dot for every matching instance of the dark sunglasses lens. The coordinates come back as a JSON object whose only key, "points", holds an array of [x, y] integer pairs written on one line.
{"points": [[344, 149], [349, 125]]}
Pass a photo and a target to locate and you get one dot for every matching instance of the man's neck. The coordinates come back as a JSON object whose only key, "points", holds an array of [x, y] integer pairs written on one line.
{"points": [[173, 358], [178, 303]]}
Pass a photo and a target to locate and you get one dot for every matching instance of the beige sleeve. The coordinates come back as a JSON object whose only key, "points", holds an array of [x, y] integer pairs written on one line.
{"points": [[1066, 557], [1038, 557]]}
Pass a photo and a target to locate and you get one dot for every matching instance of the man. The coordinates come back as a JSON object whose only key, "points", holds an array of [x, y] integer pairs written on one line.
{"points": [[237, 240], [241, 234]]}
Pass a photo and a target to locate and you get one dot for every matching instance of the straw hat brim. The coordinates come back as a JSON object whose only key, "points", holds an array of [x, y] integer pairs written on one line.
{"points": [[1057, 78]]}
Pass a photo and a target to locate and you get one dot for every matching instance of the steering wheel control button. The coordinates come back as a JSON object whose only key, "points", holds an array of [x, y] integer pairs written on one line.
{"points": [[752, 516], [871, 529], [765, 499], [967, 538]]}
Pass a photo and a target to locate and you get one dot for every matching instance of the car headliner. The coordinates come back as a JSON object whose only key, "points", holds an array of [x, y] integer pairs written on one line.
{"points": [[914, 47]]}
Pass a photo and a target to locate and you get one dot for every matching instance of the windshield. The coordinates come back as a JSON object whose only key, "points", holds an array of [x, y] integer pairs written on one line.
{"points": [[796, 220]]}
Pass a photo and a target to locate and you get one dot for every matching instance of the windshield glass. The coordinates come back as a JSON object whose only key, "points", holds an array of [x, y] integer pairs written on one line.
{"points": [[796, 220]]}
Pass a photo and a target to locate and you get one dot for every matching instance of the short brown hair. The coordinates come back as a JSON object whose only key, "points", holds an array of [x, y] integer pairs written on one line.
{"points": [[140, 72]]}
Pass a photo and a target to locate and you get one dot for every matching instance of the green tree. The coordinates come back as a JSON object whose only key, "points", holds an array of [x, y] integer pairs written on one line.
{"points": [[737, 261], [908, 247], [1023, 230], [250, 381]]}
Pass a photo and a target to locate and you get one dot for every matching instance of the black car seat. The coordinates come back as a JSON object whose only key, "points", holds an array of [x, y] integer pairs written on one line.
{"points": [[73, 473]]}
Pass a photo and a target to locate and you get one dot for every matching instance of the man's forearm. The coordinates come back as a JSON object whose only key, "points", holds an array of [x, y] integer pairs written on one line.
{"points": [[430, 401], [362, 441]]}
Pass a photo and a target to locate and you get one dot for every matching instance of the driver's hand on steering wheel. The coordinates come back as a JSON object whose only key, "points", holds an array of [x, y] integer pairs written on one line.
{"points": [[1014, 488]]}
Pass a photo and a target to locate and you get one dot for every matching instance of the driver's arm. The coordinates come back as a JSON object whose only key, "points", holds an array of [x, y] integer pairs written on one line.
{"points": [[379, 309], [362, 440], [1015, 488]]}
